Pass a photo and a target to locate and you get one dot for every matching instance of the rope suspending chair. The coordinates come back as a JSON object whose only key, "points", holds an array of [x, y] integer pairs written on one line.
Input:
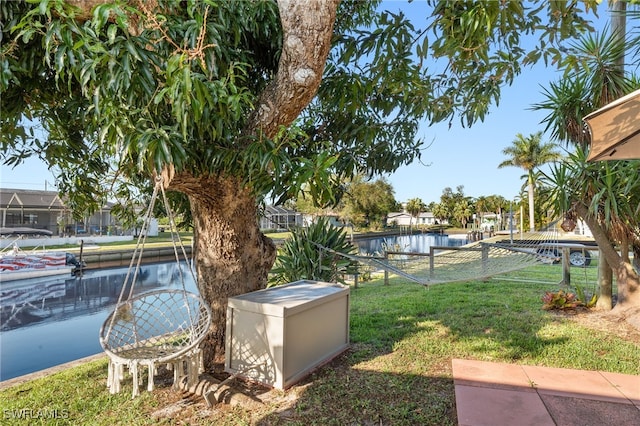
{"points": [[158, 327]]}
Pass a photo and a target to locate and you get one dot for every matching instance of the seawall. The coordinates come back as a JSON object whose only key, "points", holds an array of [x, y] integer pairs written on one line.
{"points": [[122, 257]]}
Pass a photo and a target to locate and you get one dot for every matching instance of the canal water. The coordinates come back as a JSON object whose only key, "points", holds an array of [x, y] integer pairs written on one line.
{"points": [[47, 322], [416, 243]]}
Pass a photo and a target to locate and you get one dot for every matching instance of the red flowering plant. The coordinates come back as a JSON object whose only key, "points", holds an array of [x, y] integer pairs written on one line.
{"points": [[560, 300]]}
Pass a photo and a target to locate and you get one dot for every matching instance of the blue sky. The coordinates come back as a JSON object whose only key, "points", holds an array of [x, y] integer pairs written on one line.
{"points": [[470, 156], [454, 157]]}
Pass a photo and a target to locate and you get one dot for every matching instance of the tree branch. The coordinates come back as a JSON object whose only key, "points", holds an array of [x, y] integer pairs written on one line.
{"points": [[307, 29]]}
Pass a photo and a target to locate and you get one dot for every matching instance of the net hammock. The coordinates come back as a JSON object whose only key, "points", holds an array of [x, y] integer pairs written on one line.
{"points": [[158, 327], [475, 261]]}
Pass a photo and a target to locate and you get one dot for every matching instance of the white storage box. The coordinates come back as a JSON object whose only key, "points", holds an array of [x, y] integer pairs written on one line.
{"points": [[289, 330]]}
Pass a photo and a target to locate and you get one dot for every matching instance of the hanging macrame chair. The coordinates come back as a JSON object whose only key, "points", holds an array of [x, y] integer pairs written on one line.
{"points": [[157, 327]]}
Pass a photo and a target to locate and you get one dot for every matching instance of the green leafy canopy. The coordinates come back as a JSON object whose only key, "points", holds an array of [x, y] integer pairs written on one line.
{"points": [[128, 90]]}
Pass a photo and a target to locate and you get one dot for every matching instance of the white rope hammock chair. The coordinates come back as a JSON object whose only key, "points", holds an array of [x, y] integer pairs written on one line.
{"points": [[157, 327], [476, 261]]}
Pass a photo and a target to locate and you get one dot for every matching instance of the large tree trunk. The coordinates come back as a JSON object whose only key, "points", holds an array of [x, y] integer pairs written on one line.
{"points": [[628, 285], [627, 279], [307, 28], [231, 255], [605, 284]]}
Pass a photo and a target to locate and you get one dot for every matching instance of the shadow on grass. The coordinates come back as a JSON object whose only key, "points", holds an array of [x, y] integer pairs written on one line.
{"points": [[345, 393], [398, 370]]}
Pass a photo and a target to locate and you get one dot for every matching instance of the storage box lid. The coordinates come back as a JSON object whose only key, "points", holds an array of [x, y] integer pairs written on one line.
{"points": [[289, 298]]}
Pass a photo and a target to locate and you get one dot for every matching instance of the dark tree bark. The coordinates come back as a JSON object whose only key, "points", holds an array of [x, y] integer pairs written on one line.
{"points": [[605, 284], [231, 255], [307, 28]]}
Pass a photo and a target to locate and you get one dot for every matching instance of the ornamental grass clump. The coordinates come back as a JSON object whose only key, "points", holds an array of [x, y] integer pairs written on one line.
{"points": [[312, 253]]}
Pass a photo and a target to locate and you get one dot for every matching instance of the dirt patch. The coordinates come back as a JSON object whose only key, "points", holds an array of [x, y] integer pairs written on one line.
{"points": [[358, 393], [625, 324], [182, 407]]}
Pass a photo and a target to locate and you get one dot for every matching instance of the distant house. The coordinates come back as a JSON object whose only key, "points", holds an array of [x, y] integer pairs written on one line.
{"points": [[490, 221], [279, 219], [332, 219], [47, 210], [405, 219], [400, 219]]}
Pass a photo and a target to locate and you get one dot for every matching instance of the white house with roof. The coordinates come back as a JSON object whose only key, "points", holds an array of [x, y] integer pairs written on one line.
{"points": [[405, 219]]}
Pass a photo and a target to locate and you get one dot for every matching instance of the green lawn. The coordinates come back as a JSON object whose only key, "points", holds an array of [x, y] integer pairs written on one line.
{"points": [[397, 371]]}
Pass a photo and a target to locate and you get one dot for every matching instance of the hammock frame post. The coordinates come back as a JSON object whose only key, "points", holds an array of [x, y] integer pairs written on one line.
{"points": [[432, 262], [566, 266], [386, 273], [485, 260]]}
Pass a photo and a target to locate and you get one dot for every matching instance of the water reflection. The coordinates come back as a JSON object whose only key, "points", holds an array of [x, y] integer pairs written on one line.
{"points": [[46, 322], [418, 243]]}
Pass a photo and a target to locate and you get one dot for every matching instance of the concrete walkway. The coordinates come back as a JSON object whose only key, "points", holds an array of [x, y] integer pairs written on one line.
{"points": [[495, 394]]}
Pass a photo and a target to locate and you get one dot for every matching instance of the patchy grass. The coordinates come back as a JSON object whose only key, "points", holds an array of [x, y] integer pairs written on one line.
{"points": [[397, 371]]}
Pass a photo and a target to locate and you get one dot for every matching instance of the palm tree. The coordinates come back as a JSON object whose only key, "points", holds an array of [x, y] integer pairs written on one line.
{"points": [[497, 204], [414, 207], [439, 210], [462, 211], [604, 195], [596, 81], [529, 153], [481, 207]]}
